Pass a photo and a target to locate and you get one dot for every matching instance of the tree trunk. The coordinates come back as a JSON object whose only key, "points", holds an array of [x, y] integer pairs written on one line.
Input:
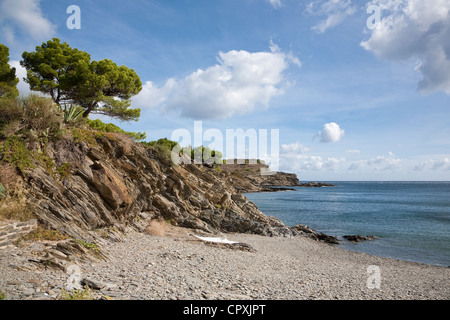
{"points": [[89, 109]]}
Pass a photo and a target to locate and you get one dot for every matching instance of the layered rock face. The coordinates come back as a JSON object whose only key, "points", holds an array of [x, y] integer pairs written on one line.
{"points": [[115, 184]]}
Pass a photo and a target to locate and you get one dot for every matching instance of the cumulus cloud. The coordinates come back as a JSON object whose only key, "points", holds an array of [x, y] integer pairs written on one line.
{"points": [[335, 11], [302, 162], [25, 16], [151, 96], [294, 157], [435, 165], [240, 83], [380, 163], [331, 132], [442, 164], [295, 147], [423, 165], [415, 29], [333, 163]]}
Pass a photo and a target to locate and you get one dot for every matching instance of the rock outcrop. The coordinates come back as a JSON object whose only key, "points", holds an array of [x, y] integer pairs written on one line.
{"points": [[115, 184], [256, 176], [359, 238], [316, 185], [313, 234]]}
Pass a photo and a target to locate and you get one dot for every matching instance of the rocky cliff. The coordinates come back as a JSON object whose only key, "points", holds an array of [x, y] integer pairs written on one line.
{"points": [[113, 184], [257, 176]]}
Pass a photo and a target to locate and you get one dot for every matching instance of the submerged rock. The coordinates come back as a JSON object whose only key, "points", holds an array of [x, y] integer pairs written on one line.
{"points": [[358, 238], [318, 236]]}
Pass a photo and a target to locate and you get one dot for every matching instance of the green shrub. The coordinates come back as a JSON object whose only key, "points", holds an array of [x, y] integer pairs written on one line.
{"points": [[109, 127], [42, 234], [15, 151], [72, 114], [64, 171], [33, 117], [11, 112], [163, 148], [84, 294], [164, 142], [46, 161], [88, 136], [42, 116], [207, 155], [88, 245], [163, 153]]}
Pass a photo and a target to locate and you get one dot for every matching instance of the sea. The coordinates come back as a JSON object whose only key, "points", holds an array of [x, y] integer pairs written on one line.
{"points": [[410, 219]]}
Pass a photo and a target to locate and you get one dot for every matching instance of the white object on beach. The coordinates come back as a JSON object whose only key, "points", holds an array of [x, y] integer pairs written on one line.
{"points": [[217, 240]]}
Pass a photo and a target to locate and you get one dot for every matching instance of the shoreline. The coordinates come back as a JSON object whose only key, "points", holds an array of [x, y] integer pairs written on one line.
{"points": [[346, 244], [176, 266]]}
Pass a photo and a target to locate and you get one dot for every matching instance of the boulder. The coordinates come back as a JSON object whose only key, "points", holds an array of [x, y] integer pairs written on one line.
{"points": [[358, 238], [318, 236]]}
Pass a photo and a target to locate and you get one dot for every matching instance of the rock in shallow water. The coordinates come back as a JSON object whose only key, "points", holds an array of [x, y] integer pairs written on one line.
{"points": [[358, 238]]}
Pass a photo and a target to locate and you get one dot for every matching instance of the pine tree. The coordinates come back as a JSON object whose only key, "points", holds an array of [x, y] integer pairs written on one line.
{"points": [[69, 76], [8, 79]]}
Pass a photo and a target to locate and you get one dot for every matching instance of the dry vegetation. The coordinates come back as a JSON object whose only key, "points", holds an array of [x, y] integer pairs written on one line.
{"points": [[13, 204], [157, 228]]}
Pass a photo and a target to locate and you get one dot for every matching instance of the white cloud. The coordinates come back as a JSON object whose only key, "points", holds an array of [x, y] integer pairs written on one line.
{"points": [[302, 162], [415, 29], [423, 165], [26, 16], [333, 163], [240, 83], [275, 3], [312, 163], [356, 151], [435, 165], [294, 158], [295, 147], [442, 164], [21, 72], [331, 132], [151, 96], [380, 163], [355, 165], [335, 11]]}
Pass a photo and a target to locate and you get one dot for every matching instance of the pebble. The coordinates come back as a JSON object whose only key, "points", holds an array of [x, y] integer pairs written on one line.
{"points": [[147, 267]]}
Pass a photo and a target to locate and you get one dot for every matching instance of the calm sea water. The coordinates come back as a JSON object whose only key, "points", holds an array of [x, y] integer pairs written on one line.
{"points": [[411, 219]]}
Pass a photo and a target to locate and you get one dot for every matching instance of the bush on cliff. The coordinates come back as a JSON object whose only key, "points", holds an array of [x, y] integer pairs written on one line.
{"points": [[163, 148], [206, 155], [32, 117], [29, 124], [109, 127]]}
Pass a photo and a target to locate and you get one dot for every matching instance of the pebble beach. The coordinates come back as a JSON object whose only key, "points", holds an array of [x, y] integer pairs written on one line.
{"points": [[177, 266]]}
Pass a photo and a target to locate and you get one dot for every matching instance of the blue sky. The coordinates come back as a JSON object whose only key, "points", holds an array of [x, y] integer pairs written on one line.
{"points": [[352, 100]]}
